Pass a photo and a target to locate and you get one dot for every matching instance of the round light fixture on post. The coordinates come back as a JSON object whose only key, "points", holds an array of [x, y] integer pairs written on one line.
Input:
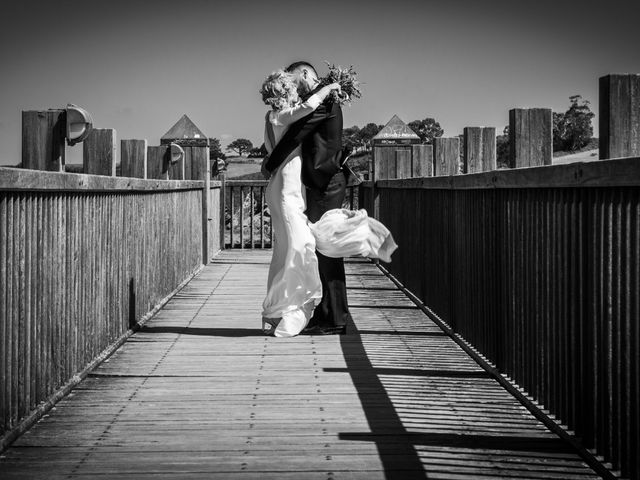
{"points": [[177, 153], [79, 124]]}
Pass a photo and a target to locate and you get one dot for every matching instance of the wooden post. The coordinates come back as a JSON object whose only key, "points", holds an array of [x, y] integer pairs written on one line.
{"points": [[99, 152], [446, 156], [133, 158], [176, 170], [201, 170], [619, 116], [479, 149], [530, 137], [43, 135], [422, 164], [223, 208], [158, 162]]}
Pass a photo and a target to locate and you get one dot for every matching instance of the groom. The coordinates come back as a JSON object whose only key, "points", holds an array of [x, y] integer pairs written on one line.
{"points": [[320, 134]]}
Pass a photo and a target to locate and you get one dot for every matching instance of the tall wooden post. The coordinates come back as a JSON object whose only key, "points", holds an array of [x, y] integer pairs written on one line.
{"points": [[158, 162], [99, 152], [223, 208], [422, 165], [619, 116], [133, 158], [201, 168], [43, 135], [479, 149], [446, 156], [530, 137]]}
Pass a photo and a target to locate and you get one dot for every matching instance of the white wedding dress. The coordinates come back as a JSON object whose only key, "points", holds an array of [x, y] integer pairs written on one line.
{"points": [[293, 286]]}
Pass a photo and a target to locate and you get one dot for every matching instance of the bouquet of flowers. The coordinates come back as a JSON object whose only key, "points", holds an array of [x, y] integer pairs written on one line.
{"points": [[349, 85]]}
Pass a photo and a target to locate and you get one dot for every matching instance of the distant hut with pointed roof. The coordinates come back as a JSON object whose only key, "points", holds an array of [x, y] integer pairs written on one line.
{"points": [[397, 152], [185, 133]]}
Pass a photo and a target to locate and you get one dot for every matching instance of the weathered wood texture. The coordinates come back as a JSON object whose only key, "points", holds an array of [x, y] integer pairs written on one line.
{"points": [[619, 116], [479, 149], [77, 269], [544, 282], [446, 156], [200, 393], [99, 152], [133, 158], [158, 162], [530, 137], [43, 136], [422, 161]]}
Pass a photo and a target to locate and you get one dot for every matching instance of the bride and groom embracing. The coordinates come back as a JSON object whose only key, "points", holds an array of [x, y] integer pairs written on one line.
{"points": [[306, 290]]}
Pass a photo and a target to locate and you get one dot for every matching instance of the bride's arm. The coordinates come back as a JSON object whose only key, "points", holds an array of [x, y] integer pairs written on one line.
{"points": [[290, 115]]}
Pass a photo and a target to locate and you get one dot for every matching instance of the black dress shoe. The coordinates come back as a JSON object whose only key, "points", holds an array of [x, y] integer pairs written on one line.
{"points": [[317, 330]]}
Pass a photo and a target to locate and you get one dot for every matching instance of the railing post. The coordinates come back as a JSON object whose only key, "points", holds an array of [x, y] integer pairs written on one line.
{"points": [[446, 156], [223, 208], [530, 137], [43, 135], [133, 158], [99, 152], [479, 149], [201, 170], [619, 116]]}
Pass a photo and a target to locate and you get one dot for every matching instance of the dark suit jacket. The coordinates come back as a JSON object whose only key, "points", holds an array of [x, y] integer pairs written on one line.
{"points": [[320, 134]]}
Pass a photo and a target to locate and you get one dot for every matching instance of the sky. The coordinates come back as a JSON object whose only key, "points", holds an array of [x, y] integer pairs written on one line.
{"points": [[137, 66]]}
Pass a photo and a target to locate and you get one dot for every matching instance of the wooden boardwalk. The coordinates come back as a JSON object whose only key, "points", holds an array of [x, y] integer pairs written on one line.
{"points": [[200, 393]]}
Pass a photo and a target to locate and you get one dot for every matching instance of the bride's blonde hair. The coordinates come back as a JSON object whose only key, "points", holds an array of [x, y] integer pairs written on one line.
{"points": [[279, 90]]}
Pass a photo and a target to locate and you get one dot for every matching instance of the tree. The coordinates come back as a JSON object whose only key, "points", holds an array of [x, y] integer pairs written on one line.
{"points": [[427, 129], [367, 133], [572, 130], [241, 145], [215, 150], [258, 152], [350, 137], [502, 148]]}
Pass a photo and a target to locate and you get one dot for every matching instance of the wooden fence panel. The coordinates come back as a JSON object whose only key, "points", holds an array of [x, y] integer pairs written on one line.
{"points": [[133, 158], [619, 116], [82, 259], [158, 162], [479, 149], [446, 156], [539, 269], [43, 136], [422, 161], [530, 137], [99, 152]]}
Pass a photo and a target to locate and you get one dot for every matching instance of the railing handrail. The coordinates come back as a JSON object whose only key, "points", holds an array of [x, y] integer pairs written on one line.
{"points": [[13, 179], [619, 172], [246, 183]]}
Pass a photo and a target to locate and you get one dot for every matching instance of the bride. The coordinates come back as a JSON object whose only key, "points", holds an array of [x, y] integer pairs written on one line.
{"points": [[293, 286]]}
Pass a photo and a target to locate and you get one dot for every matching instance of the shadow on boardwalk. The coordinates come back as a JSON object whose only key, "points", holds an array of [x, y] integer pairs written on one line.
{"points": [[199, 393]]}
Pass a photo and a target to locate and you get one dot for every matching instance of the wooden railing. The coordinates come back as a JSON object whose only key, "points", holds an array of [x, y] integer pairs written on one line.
{"points": [[247, 221], [538, 269], [83, 259]]}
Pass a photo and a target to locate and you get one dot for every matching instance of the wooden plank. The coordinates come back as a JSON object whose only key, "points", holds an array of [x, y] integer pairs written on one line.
{"points": [[99, 152], [446, 156], [619, 116], [392, 398], [43, 135], [133, 158], [530, 137], [422, 165], [158, 162], [608, 173], [403, 162], [479, 149], [16, 179]]}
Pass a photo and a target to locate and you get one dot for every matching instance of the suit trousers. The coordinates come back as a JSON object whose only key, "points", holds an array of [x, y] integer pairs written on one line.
{"points": [[333, 310]]}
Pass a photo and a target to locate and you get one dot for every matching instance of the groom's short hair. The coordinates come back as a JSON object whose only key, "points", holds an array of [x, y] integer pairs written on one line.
{"points": [[298, 65]]}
